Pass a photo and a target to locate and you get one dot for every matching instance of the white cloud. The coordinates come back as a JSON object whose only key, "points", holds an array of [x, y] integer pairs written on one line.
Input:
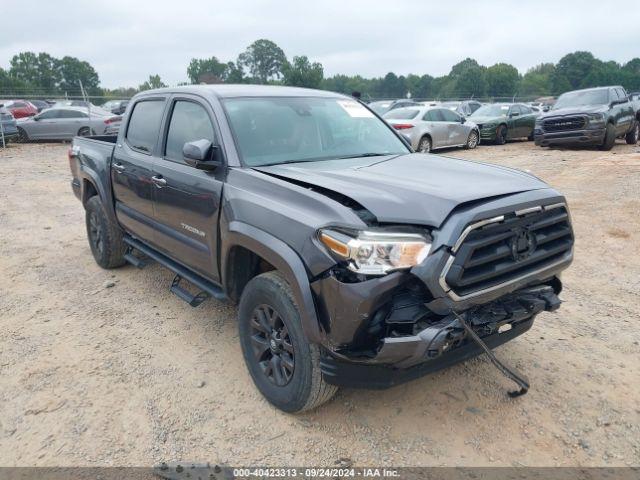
{"points": [[128, 40]]}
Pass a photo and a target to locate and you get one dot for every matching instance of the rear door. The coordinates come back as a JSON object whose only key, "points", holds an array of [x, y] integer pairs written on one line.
{"points": [[132, 167], [187, 202], [626, 115], [70, 122]]}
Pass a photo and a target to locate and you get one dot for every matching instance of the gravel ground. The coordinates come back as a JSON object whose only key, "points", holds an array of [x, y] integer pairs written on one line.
{"points": [[108, 368]]}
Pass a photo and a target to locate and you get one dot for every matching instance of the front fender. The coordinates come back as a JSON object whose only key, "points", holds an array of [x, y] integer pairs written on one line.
{"points": [[284, 259]]}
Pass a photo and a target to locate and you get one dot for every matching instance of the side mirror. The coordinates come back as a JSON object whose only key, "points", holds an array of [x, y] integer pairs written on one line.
{"points": [[463, 120], [514, 114], [35, 118], [202, 154]]}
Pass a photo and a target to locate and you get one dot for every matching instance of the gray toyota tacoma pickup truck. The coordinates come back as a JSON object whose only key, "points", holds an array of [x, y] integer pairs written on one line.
{"points": [[355, 262], [589, 117]]}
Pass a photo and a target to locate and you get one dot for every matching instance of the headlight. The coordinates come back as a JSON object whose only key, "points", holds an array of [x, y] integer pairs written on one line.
{"points": [[596, 119], [376, 252]]}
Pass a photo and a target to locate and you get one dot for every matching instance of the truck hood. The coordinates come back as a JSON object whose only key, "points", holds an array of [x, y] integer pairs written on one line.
{"points": [[575, 110], [414, 188]]}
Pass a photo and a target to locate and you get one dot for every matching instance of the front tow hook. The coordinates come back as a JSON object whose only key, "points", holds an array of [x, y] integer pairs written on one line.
{"points": [[508, 372]]}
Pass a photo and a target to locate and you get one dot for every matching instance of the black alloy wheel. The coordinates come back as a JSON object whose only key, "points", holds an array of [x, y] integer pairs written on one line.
{"points": [[272, 345]]}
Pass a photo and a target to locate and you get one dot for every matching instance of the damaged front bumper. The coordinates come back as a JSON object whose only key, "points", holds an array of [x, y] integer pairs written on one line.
{"points": [[417, 341]]}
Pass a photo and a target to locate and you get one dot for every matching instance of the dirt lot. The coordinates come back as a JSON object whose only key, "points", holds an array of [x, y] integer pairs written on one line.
{"points": [[129, 375]]}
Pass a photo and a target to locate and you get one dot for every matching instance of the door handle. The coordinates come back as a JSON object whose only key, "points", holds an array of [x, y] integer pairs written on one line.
{"points": [[159, 181], [118, 167]]}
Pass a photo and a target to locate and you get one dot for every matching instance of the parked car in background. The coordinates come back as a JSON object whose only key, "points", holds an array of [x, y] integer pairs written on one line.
{"points": [[117, 107], [64, 123], [40, 104], [384, 106], [430, 128], [593, 116], [20, 108], [499, 122], [8, 125], [465, 108]]}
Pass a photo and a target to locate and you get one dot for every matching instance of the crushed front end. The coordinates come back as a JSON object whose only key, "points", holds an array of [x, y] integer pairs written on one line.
{"points": [[497, 269]]}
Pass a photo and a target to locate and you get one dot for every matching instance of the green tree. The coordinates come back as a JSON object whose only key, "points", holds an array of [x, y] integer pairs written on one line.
{"points": [[468, 79], [233, 73], [572, 70], [38, 71], [302, 73], [537, 80], [264, 60], [502, 80], [420, 86], [206, 70], [153, 82], [72, 71]]}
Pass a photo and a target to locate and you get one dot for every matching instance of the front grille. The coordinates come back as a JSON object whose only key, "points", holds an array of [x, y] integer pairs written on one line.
{"points": [[562, 124], [510, 248]]}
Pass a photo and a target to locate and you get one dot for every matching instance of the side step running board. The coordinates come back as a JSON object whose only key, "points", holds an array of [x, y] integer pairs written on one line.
{"points": [[208, 288], [135, 261], [187, 296]]}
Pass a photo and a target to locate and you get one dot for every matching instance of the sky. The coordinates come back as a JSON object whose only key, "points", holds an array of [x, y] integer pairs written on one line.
{"points": [[126, 41]]}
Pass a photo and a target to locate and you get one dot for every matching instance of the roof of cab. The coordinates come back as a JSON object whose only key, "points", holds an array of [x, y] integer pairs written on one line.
{"points": [[242, 90]]}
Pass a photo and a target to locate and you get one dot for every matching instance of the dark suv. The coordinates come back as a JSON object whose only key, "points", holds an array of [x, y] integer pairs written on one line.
{"points": [[594, 116], [355, 262]]}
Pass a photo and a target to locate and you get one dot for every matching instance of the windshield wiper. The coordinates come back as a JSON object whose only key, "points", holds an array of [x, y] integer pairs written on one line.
{"points": [[369, 154]]}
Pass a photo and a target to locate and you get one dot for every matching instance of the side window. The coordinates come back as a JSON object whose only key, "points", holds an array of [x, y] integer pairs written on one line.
{"points": [[72, 114], [613, 95], [433, 116], [144, 124], [515, 110], [525, 110], [621, 94], [189, 122], [49, 114], [449, 116]]}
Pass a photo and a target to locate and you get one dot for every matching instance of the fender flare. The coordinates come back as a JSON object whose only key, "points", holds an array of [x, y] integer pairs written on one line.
{"points": [[285, 260], [89, 175]]}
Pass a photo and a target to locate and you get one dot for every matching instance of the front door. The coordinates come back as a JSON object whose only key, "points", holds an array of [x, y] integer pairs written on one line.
{"points": [[187, 200], [456, 133], [132, 168]]}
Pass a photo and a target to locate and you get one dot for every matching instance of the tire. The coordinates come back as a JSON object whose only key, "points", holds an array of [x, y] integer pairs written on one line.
{"points": [[501, 135], [84, 132], [634, 135], [105, 237], [425, 144], [472, 141], [23, 137], [284, 366], [530, 137], [609, 138]]}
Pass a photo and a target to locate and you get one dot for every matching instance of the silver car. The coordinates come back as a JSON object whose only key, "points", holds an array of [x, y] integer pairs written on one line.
{"points": [[430, 128], [64, 123]]}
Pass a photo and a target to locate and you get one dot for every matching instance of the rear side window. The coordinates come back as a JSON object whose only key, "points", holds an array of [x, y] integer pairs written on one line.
{"points": [[144, 124], [189, 122]]}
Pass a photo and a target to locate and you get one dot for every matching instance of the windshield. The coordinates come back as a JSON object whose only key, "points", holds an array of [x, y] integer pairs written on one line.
{"points": [[273, 130], [402, 113], [491, 111], [585, 97]]}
